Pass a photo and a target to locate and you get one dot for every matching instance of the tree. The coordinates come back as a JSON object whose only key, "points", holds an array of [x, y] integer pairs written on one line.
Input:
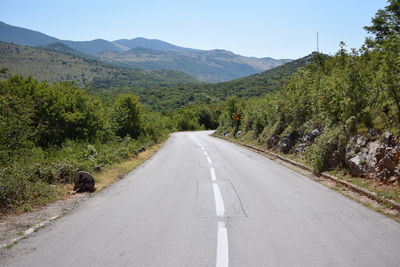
{"points": [[15, 131], [386, 22], [126, 116], [387, 79], [60, 111]]}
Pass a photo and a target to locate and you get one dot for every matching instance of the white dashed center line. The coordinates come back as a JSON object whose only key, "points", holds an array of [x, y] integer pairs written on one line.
{"points": [[219, 202], [213, 177], [222, 246], [222, 234]]}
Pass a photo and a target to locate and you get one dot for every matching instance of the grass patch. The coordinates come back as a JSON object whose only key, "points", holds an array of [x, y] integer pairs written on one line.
{"points": [[37, 193], [386, 191], [117, 171]]}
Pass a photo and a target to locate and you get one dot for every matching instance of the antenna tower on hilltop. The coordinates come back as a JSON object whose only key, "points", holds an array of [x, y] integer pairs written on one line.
{"points": [[317, 43]]}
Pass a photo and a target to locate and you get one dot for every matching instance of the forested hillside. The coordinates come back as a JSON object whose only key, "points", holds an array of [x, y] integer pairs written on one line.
{"points": [[209, 66], [69, 65], [337, 112], [176, 96]]}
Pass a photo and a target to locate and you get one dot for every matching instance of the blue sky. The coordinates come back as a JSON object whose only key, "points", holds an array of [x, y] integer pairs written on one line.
{"points": [[261, 28]]}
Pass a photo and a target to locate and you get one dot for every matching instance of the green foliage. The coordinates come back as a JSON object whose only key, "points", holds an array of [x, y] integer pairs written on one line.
{"points": [[50, 131], [125, 117], [15, 132], [177, 96], [327, 151], [59, 111], [186, 121], [350, 92], [386, 22], [155, 126]]}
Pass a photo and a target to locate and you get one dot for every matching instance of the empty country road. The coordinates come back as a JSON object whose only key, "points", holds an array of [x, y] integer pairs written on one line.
{"points": [[202, 201]]}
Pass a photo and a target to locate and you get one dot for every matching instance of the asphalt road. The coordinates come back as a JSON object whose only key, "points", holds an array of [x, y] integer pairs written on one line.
{"points": [[201, 201]]}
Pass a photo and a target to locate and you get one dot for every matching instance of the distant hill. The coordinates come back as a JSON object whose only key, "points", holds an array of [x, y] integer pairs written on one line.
{"points": [[176, 96], [17, 35], [206, 65], [259, 84], [151, 44], [53, 66], [60, 47]]}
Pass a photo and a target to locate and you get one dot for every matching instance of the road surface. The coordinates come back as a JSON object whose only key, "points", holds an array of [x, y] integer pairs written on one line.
{"points": [[201, 201]]}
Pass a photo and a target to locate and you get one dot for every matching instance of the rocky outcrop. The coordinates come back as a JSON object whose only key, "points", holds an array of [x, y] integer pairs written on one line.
{"points": [[306, 139], [287, 142], [374, 157]]}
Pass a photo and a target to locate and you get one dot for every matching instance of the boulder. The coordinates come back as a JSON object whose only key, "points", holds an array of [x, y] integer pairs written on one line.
{"points": [[361, 141], [309, 137], [393, 153], [357, 165], [389, 139], [287, 142], [272, 141], [375, 152], [373, 134], [385, 163], [83, 181]]}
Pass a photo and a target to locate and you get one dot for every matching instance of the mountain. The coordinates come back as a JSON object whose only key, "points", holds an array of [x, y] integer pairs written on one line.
{"points": [[92, 47], [206, 65], [152, 44], [21, 36], [17, 35], [60, 47], [262, 83], [53, 66], [176, 96]]}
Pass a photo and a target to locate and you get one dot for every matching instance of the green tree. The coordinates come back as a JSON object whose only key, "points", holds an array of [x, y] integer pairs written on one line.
{"points": [[16, 134], [60, 111], [126, 116], [387, 79], [386, 22]]}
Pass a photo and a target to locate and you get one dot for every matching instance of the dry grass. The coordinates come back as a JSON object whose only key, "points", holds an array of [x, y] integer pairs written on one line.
{"points": [[117, 171], [389, 191]]}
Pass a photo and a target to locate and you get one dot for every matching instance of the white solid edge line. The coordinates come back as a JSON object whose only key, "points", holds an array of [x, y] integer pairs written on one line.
{"points": [[219, 202], [213, 176], [209, 160], [222, 246], [202, 148]]}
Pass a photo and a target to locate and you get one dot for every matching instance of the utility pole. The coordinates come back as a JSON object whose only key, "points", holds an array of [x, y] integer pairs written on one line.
{"points": [[317, 43]]}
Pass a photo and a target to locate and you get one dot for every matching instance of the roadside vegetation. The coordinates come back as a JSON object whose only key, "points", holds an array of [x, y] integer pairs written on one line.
{"points": [[50, 131], [340, 111]]}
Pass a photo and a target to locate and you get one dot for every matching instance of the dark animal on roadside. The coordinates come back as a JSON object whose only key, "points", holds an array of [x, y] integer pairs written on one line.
{"points": [[84, 181]]}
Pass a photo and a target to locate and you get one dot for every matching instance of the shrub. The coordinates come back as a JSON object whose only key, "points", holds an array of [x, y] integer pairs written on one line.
{"points": [[328, 150]]}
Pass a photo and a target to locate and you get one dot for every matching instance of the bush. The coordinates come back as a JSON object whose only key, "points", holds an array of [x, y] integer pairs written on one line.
{"points": [[328, 150], [126, 116]]}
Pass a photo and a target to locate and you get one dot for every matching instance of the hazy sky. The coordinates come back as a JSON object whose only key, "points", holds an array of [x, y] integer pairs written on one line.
{"points": [[261, 28]]}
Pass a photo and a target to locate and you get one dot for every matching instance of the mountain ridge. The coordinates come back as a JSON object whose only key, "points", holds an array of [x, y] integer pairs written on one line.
{"points": [[213, 66], [48, 64]]}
